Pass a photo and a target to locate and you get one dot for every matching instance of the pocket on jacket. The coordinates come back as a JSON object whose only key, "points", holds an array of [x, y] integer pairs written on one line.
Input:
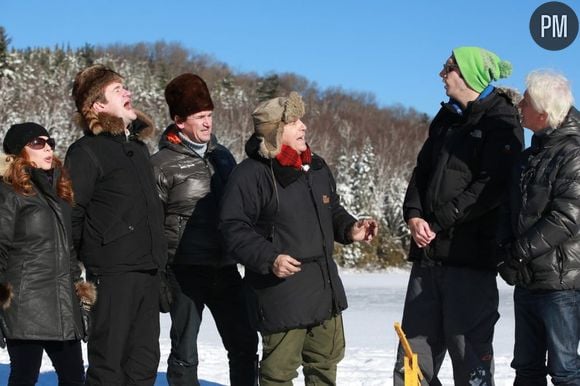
{"points": [[117, 230]]}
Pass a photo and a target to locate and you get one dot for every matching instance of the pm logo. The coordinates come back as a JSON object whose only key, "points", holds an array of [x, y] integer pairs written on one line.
{"points": [[554, 26]]}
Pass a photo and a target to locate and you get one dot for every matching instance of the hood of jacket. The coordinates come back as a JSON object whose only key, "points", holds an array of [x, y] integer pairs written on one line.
{"points": [[143, 127], [489, 106]]}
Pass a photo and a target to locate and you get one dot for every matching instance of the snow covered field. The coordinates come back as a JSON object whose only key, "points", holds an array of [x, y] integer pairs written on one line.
{"points": [[375, 303]]}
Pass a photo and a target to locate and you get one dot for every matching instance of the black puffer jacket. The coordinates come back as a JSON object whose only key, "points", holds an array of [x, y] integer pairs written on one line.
{"points": [[300, 216], [118, 217], [461, 178], [38, 261], [546, 207], [190, 187]]}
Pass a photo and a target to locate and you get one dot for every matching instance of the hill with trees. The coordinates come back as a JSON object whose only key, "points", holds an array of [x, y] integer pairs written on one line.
{"points": [[371, 149]]}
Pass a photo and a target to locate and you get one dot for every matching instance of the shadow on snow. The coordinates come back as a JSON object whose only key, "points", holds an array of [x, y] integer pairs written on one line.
{"points": [[49, 378]]}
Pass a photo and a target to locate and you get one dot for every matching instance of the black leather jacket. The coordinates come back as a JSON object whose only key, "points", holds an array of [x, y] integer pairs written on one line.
{"points": [[545, 207], [191, 187], [37, 259]]}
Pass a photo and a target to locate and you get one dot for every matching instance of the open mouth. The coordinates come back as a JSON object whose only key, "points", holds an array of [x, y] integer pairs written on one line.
{"points": [[128, 105]]}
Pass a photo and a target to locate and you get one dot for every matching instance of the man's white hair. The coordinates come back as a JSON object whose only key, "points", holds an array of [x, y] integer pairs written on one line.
{"points": [[550, 93]]}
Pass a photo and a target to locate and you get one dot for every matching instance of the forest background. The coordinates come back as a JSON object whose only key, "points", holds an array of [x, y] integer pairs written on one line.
{"points": [[371, 149]]}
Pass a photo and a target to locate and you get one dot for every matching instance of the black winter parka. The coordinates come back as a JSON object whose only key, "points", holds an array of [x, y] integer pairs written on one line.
{"points": [[37, 259], [461, 178], [118, 217], [190, 187], [545, 207], [268, 210]]}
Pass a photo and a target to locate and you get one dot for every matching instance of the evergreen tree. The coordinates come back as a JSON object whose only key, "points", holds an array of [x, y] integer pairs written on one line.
{"points": [[6, 70], [371, 148], [268, 87], [87, 55]]}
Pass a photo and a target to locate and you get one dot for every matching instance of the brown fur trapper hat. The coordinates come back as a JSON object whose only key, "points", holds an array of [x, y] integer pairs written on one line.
{"points": [[187, 94], [89, 85], [270, 117]]}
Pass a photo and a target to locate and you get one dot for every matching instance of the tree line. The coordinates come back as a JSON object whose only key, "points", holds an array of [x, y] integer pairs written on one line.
{"points": [[371, 149]]}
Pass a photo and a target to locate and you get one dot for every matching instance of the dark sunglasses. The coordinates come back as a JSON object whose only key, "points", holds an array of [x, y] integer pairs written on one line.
{"points": [[39, 143], [448, 67]]}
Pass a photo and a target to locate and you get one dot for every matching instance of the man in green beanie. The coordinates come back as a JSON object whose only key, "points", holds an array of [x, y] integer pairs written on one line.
{"points": [[452, 210]]}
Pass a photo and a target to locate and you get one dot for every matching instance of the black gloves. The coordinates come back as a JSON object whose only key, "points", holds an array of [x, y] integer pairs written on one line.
{"points": [[513, 270], [165, 294]]}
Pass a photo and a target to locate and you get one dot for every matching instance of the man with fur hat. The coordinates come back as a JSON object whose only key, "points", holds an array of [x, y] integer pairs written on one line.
{"points": [[117, 229], [191, 170], [280, 217], [452, 208]]}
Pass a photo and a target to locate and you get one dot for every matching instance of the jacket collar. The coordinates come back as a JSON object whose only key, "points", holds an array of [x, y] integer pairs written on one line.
{"points": [[285, 175], [170, 140], [570, 127], [488, 106], [141, 128]]}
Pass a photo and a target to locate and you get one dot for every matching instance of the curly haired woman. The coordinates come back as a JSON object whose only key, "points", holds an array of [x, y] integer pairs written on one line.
{"points": [[41, 288]]}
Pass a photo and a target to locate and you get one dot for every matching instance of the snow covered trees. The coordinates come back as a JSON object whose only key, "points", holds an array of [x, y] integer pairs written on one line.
{"points": [[370, 148]]}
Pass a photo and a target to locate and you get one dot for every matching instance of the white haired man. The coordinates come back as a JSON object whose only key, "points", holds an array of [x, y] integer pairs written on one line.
{"points": [[540, 251]]}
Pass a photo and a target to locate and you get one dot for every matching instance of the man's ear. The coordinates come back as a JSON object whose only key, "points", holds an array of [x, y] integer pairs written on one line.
{"points": [[98, 107], [179, 122]]}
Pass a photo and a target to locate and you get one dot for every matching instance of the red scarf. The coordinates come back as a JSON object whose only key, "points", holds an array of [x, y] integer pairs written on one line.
{"points": [[290, 157]]}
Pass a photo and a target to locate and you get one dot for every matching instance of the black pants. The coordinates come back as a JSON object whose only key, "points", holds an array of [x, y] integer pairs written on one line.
{"points": [[123, 343], [26, 358], [220, 289], [450, 309]]}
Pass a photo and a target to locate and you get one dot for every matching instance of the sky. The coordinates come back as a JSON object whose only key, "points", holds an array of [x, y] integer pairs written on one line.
{"points": [[392, 49]]}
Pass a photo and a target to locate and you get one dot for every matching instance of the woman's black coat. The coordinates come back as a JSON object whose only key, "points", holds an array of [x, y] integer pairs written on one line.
{"points": [[37, 259]]}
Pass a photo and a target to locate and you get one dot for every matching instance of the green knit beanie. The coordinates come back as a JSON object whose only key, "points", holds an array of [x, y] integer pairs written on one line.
{"points": [[479, 67]]}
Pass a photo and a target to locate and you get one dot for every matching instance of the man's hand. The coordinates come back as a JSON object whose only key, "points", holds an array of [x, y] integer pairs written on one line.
{"points": [[421, 231], [285, 266], [364, 230]]}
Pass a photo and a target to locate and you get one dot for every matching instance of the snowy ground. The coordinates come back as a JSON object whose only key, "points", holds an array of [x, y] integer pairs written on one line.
{"points": [[376, 302]]}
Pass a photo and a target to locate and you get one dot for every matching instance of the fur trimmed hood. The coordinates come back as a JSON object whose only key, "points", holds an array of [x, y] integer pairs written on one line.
{"points": [[143, 127], [512, 93]]}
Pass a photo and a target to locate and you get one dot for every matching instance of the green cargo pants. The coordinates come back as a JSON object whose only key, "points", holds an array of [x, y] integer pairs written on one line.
{"points": [[318, 349]]}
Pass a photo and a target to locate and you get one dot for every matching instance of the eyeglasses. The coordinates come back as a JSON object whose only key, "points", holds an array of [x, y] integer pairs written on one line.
{"points": [[448, 67], [39, 143]]}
